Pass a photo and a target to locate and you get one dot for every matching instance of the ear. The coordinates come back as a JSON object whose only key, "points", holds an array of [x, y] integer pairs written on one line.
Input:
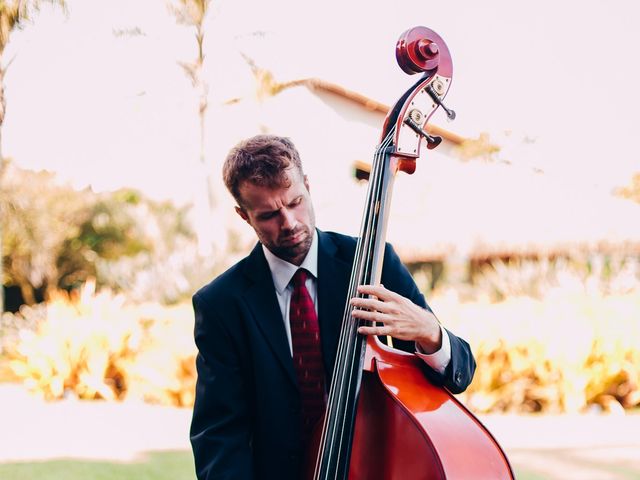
{"points": [[243, 214]]}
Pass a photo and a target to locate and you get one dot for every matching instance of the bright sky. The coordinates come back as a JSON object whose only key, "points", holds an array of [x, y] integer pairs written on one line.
{"points": [[112, 109]]}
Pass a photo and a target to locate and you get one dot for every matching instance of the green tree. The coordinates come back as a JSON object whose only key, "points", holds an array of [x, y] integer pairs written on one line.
{"points": [[13, 14], [57, 238], [38, 216]]}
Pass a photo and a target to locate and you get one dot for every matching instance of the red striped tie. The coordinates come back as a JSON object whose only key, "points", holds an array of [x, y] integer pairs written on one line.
{"points": [[307, 354]]}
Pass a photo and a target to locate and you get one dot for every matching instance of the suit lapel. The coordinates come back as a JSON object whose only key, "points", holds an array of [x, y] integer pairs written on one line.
{"points": [[333, 282], [261, 300]]}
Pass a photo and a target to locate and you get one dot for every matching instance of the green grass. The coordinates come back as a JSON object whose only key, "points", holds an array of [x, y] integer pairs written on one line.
{"points": [[155, 466]]}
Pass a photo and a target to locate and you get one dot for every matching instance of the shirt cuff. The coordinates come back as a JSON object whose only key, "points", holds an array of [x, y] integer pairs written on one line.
{"points": [[439, 359]]}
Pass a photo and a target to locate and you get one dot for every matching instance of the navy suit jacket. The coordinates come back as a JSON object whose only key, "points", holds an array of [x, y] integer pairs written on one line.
{"points": [[246, 415]]}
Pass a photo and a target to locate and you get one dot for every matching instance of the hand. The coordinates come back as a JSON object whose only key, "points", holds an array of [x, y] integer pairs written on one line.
{"points": [[401, 318]]}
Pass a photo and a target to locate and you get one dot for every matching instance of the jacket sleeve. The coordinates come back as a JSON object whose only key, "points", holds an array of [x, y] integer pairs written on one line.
{"points": [[220, 427], [459, 373]]}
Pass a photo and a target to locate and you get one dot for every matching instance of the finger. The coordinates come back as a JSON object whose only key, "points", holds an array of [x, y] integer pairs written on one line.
{"points": [[379, 291], [375, 330], [371, 316], [371, 304]]}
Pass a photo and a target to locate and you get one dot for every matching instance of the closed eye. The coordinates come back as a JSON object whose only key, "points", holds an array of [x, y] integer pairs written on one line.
{"points": [[267, 215]]}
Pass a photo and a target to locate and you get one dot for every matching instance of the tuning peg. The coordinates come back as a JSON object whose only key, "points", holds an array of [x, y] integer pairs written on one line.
{"points": [[432, 140], [451, 115]]}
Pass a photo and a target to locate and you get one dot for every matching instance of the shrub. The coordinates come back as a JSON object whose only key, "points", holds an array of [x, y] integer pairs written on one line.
{"points": [[95, 346], [572, 348], [55, 237], [562, 353]]}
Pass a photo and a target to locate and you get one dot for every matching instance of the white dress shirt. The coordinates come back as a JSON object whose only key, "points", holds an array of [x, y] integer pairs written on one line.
{"points": [[282, 272]]}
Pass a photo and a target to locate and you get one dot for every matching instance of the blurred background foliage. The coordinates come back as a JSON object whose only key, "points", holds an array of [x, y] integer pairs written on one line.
{"points": [[95, 345], [118, 324], [631, 191], [100, 283], [69, 257], [98, 288], [549, 335], [56, 238]]}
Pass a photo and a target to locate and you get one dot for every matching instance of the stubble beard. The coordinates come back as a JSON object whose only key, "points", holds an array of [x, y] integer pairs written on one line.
{"points": [[294, 253]]}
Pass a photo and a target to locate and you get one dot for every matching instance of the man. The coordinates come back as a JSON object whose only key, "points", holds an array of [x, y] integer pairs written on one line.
{"points": [[253, 405]]}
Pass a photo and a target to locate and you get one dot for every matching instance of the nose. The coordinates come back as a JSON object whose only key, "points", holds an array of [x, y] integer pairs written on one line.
{"points": [[288, 220]]}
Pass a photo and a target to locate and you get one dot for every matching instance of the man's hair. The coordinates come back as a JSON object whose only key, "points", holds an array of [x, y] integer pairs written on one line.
{"points": [[261, 160]]}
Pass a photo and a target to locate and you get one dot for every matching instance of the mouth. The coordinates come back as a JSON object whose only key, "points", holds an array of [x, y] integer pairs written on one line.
{"points": [[294, 239]]}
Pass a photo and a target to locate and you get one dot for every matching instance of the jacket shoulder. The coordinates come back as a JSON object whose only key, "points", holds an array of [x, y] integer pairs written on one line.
{"points": [[345, 245], [224, 284]]}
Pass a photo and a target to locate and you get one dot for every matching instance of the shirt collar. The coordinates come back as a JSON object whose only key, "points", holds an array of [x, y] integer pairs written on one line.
{"points": [[282, 271]]}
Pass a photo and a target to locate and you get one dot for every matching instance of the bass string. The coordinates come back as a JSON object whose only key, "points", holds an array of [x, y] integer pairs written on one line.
{"points": [[336, 392], [335, 409], [334, 427], [349, 326]]}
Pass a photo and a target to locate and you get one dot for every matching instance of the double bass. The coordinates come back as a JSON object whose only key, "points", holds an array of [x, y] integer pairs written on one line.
{"points": [[384, 419]]}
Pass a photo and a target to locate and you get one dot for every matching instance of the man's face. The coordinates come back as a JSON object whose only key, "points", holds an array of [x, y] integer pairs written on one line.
{"points": [[282, 217]]}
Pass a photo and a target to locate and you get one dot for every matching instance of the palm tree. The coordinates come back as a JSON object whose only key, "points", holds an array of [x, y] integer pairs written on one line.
{"points": [[192, 13], [13, 14]]}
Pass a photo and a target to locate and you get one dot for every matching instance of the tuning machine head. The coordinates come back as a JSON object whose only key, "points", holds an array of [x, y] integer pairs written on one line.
{"points": [[435, 90]]}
